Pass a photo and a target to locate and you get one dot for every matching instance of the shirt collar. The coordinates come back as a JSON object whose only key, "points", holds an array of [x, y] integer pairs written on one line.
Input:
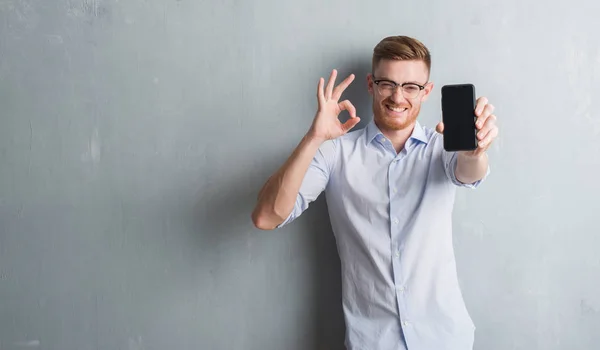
{"points": [[417, 134]]}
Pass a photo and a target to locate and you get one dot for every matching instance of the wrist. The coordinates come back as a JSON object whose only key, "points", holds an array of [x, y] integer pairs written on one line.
{"points": [[312, 138], [473, 156]]}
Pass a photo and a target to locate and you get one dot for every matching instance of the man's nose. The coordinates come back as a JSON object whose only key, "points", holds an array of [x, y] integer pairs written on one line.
{"points": [[397, 95]]}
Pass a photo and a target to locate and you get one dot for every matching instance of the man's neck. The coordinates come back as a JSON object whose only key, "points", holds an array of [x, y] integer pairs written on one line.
{"points": [[398, 137]]}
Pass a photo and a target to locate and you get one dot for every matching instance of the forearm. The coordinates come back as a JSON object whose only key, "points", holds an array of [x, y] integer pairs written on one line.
{"points": [[470, 169], [278, 196]]}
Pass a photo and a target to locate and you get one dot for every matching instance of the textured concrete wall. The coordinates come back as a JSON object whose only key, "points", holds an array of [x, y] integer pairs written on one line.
{"points": [[135, 135]]}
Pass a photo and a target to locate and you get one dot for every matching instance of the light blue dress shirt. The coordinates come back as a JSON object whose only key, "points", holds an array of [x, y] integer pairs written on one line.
{"points": [[391, 215]]}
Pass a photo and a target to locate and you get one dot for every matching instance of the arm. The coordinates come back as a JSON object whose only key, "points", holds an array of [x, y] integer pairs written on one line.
{"points": [[473, 166], [470, 169], [277, 199], [278, 196]]}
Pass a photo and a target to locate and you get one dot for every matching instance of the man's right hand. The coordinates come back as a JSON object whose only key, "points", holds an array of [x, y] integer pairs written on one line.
{"points": [[326, 125], [278, 196]]}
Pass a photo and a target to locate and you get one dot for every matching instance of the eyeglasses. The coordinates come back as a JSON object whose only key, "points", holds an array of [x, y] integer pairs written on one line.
{"points": [[387, 87]]}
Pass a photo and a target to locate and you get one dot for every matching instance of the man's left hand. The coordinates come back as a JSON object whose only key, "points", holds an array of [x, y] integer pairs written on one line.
{"points": [[487, 130]]}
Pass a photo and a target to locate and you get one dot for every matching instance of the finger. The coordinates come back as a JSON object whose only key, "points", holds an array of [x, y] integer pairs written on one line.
{"points": [[330, 84], [347, 105], [482, 119], [320, 93], [485, 143], [350, 123], [487, 127], [481, 103], [440, 128], [337, 92]]}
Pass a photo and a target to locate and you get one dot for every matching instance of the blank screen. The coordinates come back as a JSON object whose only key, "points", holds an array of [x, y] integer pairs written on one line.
{"points": [[458, 112]]}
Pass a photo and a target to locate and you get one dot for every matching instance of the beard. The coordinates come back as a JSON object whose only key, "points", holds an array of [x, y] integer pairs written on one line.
{"points": [[403, 116]]}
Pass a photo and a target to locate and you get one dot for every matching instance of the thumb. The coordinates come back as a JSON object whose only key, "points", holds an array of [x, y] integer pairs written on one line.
{"points": [[440, 128]]}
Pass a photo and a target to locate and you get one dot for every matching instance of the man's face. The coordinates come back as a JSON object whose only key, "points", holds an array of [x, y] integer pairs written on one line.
{"points": [[397, 109]]}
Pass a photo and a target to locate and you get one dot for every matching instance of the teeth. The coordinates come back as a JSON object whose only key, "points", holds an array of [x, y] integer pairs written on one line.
{"points": [[397, 109]]}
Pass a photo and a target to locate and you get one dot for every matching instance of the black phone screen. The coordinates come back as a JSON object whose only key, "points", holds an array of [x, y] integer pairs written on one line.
{"points": [[458, 115]]}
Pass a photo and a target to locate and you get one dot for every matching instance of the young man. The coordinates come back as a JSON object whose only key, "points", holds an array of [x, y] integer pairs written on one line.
{"points": [[390, 191]]}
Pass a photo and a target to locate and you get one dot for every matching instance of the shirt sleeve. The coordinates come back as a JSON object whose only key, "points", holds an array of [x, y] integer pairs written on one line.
{"points": [[450, 161], [315, 181]]}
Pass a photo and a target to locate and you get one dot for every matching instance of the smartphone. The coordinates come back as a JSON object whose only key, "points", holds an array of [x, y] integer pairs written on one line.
{"points": [[458, 116]]}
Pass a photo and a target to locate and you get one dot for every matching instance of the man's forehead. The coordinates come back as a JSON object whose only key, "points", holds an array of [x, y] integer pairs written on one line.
{"points": [[401, 71]]}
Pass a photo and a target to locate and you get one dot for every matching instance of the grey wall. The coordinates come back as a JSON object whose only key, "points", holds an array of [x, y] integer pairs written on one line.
{"points": [[136, 134]]}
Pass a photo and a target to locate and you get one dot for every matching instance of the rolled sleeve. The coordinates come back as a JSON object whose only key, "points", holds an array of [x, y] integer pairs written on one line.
{"points": [[314, 182], [450, 162]]}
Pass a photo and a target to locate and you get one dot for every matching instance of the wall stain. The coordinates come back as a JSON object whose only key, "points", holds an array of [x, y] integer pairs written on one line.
{"points": [[89, 10], [586, 308]]}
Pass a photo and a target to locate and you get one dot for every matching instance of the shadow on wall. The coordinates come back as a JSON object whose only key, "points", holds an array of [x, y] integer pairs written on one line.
{"points": [[221, 216], [357, 92], [329, 322]]}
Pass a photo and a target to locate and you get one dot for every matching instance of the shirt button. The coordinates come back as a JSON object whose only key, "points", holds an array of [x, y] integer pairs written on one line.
{"points": [[401, 289], [395, 190], [397, 254], [405, 323], [395, 221]]}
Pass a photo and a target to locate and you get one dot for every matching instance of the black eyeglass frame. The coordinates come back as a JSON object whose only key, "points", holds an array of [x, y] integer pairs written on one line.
{"points": [[396, 85]]}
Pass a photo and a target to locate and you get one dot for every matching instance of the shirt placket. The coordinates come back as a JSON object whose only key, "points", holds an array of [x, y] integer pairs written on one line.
{"points": [[395, 225]]}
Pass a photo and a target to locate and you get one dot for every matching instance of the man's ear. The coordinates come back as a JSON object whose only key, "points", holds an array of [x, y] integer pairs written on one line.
{"points": [[370, 83], [427, 91]]}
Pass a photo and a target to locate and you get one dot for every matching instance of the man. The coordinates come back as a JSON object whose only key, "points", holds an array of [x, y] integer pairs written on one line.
{"points": [[390, 191]]}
